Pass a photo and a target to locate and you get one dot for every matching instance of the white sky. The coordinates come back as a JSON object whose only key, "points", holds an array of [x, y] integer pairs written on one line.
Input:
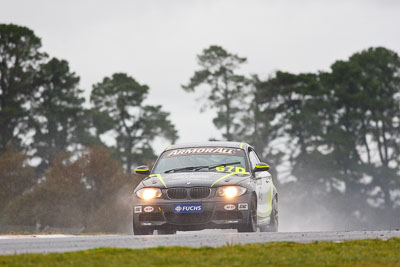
{"points": [[157, 41]]}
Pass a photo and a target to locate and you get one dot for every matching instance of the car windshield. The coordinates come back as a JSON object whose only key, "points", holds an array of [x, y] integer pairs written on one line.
{"points": [[201, 159]]}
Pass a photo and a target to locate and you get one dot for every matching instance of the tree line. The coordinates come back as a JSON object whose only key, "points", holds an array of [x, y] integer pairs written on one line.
{"points": [[335, 135], [331, 137], [43, 120]]}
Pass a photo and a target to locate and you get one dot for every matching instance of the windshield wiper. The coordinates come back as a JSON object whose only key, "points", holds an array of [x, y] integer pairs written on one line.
{"points": [[197, 168], [194, 168]]}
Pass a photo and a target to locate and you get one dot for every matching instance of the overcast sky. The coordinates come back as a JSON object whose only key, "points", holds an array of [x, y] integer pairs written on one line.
{"points": [[156, 42]]}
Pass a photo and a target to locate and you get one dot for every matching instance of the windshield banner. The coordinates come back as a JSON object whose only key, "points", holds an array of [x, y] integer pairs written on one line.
{"points": [[201, 150]]}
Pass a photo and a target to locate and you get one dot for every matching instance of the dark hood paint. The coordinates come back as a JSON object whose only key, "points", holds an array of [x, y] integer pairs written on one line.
{"points": [[191, 179]]}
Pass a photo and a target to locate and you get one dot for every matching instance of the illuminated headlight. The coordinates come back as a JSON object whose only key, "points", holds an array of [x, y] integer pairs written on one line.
{"points": [[148, 193], [230, 191]]}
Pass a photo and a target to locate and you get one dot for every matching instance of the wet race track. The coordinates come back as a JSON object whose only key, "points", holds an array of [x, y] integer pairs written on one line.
{"points": [[213, 238]]}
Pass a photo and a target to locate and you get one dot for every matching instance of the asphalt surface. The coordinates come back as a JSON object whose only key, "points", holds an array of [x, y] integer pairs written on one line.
{"points": [[48, 244]]}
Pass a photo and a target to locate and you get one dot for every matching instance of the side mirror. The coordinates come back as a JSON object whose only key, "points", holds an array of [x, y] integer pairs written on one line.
{"points": [[142, 170], [260, 167]]}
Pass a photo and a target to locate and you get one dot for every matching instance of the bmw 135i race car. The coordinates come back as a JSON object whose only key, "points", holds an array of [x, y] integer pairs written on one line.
{"points": [[206, 185]]}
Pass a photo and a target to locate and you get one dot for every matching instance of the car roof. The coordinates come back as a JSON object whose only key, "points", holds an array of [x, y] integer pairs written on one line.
{"points": [[210, 143]]}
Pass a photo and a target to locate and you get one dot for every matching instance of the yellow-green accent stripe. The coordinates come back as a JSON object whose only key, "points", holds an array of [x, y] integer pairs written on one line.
{"points": [[142, 170], [159, 178], [269, 208], [225, 176], [262, 167], [241, 145]]}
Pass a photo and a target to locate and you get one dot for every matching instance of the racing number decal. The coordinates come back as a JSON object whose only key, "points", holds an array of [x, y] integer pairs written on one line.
{"points": [[231, 169]]}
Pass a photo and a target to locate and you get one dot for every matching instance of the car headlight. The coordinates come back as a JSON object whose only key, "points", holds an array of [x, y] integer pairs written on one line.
{"points": [[230, 191], [148, 193]]}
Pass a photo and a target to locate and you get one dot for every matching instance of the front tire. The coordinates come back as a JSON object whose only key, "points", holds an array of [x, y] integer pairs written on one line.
{"points": [[251, 225], [166, 232], [141, 231]]}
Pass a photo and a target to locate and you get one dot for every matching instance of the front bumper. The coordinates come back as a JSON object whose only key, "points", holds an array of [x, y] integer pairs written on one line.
{"points": [[217, 212]]}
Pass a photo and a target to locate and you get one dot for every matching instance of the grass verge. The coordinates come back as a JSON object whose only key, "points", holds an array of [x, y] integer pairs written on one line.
{"points": [[350, 253]]}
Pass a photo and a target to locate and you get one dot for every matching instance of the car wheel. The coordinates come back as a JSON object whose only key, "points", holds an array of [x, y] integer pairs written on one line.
{"points": [[251, 226], [141, 231], [166, 231]]}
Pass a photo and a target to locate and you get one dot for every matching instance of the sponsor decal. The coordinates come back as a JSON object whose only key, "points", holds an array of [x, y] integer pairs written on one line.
{"points": [[201, 150], [243, 206], [148, 209], [138, 209], [229, 207], [188, 208], [178, 208]]}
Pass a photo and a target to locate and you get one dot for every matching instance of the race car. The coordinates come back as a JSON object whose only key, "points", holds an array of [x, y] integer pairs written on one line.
{"points": [[205, 186]]}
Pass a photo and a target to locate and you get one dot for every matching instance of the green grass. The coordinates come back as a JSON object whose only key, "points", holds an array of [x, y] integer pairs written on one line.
{"points": [[351, 253]]}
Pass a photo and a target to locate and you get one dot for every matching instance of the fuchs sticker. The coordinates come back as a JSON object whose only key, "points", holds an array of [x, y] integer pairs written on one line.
{"points": [[229, 207], [188, 208], [148, 209], [201, 150]]}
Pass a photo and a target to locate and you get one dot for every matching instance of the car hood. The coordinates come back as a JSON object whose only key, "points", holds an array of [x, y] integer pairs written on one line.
{"points": [[190, 179]]}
